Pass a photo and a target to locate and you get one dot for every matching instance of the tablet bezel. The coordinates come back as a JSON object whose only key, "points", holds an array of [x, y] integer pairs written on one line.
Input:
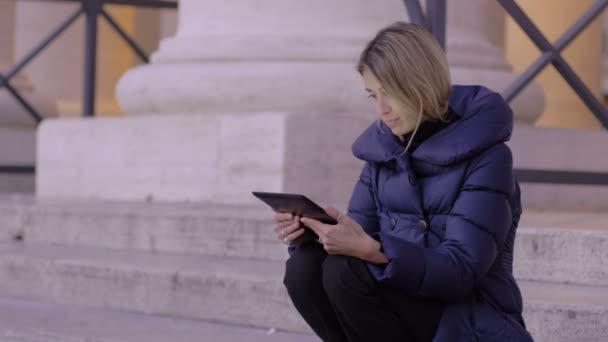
{"points": [[296, 204]]}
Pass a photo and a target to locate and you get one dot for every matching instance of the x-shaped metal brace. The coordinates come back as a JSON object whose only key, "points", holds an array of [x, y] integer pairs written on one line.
{"points": [[552, 54]]}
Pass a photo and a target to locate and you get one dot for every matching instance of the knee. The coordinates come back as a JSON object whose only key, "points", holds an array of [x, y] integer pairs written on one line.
{"points": [[344, 276], [303, 270]]}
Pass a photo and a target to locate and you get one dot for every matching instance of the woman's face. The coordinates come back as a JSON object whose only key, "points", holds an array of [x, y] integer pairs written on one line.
{"points": [[390, 111]]}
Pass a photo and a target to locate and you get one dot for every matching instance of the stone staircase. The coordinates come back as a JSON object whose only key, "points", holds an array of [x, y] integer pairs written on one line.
{"points": [[101, 271], [17, 148]]}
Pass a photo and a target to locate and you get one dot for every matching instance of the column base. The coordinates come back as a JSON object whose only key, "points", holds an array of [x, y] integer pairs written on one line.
{"points": [[219, 158], [527, 107], [243, 87]]}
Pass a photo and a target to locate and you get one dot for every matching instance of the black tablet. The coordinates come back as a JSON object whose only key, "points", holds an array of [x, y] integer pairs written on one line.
{"points": [[295, 204]]}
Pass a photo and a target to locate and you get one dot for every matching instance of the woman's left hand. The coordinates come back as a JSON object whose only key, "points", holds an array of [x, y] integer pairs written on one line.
{"points": [[345, 238]]}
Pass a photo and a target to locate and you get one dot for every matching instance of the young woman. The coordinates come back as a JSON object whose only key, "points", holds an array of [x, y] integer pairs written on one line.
{"points": [[425, 252]]}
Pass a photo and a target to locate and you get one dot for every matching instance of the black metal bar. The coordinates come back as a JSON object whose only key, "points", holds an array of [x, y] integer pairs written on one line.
{"points": [[24, 103], [414, 10], [596, 107], [558, 62], [137, 3], [40, 47], [436, 18], [19, 169], [92, 9], [524, 79], [136, 48], [144, 3], [561, 177], [547, 57]]}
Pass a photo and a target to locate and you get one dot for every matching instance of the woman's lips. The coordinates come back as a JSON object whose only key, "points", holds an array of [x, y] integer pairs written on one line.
{"points": [[391, 123]]}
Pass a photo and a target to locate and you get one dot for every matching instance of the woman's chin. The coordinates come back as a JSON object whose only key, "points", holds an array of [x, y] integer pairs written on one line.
{"points": [[399, 131]]}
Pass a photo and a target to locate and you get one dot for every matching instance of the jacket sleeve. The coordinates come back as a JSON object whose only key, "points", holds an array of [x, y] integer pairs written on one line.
{"points": [[362, 206], [475, 232]]}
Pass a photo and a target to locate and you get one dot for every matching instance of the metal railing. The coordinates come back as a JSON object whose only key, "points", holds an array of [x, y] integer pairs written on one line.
{"points": [[91, 10], [434, 20]]}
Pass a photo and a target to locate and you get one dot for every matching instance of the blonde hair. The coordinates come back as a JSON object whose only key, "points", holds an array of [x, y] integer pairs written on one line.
{"points": [[412, 68]]}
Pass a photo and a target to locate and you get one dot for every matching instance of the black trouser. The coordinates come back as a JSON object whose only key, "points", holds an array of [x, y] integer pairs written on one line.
{"points": [[341, 301]]}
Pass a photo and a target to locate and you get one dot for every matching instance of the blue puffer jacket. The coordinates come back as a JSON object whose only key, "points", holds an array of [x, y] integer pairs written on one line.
{"points": [[446, 216]]}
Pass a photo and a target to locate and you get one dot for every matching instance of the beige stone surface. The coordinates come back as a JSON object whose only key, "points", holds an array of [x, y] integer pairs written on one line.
{"points": [[225, 157], [65, 260], [236, 291], [220, 158], [551, 246]]}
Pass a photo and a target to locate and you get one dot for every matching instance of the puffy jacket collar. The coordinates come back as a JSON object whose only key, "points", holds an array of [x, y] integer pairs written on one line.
{"points": [[484, 119]]}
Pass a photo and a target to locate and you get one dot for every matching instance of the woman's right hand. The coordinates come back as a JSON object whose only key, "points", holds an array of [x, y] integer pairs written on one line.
{"points": [[287, 227]]}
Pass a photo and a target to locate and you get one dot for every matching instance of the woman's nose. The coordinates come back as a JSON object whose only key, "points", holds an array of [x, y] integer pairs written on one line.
{"points": [[383, 106]]}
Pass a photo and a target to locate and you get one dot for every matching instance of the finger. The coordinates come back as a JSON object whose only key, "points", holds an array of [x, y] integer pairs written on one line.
{"points": [[291, 228], [335, 213], [280, 217], [280, 225], [295, 235], [329, 249], [319, 228]]}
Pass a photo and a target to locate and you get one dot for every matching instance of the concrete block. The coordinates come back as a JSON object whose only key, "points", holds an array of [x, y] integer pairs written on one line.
{"points": [[563, 248], [220, 158]]}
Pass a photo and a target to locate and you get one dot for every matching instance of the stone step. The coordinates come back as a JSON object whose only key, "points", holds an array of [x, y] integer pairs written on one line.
{"points": [[237, 291], [28, 321], [201, 228], [17, 183], [17, 148], [563, 312], [563, 248], [231, 290], [551, 246]]}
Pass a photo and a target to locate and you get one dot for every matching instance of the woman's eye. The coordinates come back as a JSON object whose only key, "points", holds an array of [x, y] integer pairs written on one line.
{"points": [[372, 96]]}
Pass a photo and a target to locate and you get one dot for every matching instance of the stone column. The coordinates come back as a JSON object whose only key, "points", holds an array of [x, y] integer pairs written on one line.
{"points": [[244, 56], [248, 95], [265, 57], [476, 53], [564, 107]]}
